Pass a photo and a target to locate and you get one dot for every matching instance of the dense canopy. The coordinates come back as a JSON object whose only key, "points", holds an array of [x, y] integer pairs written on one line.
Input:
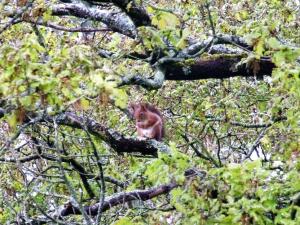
{"points": [[224, 74]]}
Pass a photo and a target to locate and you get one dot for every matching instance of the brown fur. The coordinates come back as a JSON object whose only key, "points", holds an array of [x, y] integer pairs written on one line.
{"points": [[149, 121]]}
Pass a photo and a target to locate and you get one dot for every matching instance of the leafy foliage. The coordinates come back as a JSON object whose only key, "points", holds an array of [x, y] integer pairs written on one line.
{"points": [[240, 135]]}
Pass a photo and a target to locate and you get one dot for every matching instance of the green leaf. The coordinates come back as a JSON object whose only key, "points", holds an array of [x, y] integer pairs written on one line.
{"points": [[12, 120], [165, 20], [123, 221], [259, 47], [273, 43]]}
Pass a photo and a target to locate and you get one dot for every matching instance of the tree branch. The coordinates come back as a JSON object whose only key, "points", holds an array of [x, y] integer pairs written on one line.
{"points": [[62, 28], [120, 198], [133, 9], [256, 142], [114, 20], [216, 66], [147, 83], [220, 39], [114, 139]]}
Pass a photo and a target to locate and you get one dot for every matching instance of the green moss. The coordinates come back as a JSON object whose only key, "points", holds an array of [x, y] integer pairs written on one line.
{"points": [[207, 57]]}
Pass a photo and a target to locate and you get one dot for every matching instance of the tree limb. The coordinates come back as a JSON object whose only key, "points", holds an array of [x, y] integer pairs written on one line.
{"points": [[114, 139], [118, 199], [216, 66], [147, 83], [63, 28], [133, 9], [116, 21]]}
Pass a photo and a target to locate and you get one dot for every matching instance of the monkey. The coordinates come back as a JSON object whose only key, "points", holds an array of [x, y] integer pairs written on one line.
{"points": [[148, 121]]}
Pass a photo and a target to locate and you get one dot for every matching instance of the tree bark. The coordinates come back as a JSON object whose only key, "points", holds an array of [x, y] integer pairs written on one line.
{"points": [[218, 67]]}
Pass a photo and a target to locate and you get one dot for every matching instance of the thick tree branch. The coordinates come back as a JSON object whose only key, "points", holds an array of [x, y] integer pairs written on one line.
{"points": [[218, 67], [114, 20], [150, 84], [112, 201], [114, 139], [234, 40], [219, 41], [124, 197], [119, 199], [132, 8], [214, 66]]}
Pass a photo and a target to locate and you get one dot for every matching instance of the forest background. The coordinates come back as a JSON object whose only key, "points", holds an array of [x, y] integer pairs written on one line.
{"points": [[225, 75]]}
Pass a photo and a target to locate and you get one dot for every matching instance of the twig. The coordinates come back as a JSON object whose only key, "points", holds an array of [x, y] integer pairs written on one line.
{"points": [[101, 172], [20, 130], [66, 180], [256, 142], [219, 145], [62, 28], [40, 37], [210, 19], [198, 153]]}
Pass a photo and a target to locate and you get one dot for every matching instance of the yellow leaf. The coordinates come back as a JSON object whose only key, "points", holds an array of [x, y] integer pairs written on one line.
{"points": [[259, 48], [12, 120], [165, 20], [84, 103]]}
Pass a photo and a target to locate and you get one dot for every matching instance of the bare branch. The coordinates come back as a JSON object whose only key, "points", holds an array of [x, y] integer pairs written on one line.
{"points": [[62, 28]]}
